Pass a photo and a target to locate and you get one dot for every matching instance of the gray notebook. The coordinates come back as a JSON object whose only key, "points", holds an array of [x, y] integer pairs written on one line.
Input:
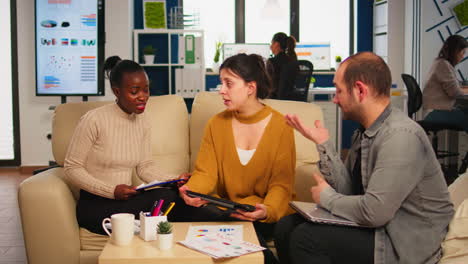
{"points": [[316, 214]]}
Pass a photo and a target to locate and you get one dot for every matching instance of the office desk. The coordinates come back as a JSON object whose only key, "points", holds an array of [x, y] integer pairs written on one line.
{"points": [[461, 102], [142, 252], [331, 91]]}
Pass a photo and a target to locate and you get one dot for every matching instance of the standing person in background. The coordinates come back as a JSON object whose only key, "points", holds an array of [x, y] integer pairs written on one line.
{"points": [[247, 153], [282, 48], [442, 85], [108, 144]]}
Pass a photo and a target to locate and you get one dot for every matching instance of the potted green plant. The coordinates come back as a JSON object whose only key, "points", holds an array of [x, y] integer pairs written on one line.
{"points": [[338, 62], [312, 82], [165, 236], [148, 53], [215, 66]]}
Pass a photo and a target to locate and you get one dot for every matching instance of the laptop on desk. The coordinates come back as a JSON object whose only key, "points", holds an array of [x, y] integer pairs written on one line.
{"points": [[313, 213]]}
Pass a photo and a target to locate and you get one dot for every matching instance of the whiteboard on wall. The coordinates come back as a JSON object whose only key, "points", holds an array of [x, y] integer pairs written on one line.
{"points": [[317, 53]]}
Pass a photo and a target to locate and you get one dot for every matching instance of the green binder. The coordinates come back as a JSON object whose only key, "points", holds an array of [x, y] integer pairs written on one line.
{"points": [[190, 49]]}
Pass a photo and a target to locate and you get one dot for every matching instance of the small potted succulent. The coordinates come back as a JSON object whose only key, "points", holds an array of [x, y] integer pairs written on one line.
{"points": [[215, 66], [148, 53], [165, 236], [338, 62]]}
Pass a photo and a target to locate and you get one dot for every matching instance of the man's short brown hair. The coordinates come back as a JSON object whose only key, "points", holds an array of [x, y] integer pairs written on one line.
{"points": [[369, 69]]}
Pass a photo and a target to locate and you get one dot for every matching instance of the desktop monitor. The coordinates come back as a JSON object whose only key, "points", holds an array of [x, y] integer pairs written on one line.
{"points": [[262, 49], [69, 47], [317, 53]]}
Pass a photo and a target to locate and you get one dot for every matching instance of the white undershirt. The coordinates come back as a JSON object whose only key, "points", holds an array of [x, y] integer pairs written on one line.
{"points": [[245, 155]]}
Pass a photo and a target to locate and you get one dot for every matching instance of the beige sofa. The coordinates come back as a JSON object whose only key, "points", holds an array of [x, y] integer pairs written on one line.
{"points": [[47, 202]]}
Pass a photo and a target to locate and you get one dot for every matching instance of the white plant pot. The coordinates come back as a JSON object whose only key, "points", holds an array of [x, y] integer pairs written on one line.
{"points": [[149, 59], [337, 65], [165, 241], [215, 67]]}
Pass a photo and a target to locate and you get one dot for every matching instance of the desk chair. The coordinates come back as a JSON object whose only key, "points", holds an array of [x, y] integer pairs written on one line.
{"points": [[431, 127], [295, 80]]}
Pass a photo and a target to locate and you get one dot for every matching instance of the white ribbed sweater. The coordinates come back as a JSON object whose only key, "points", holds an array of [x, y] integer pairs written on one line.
{"points": [[105, 148]]}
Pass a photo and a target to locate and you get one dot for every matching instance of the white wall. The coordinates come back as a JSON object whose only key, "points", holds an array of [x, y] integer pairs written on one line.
{"points": [[35, 118]]}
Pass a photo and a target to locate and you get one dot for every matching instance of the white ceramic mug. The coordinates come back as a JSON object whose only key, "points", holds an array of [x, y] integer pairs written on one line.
{"points": [[122, 228]]}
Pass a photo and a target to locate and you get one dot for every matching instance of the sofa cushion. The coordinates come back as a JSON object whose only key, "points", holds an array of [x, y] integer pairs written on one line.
{"points": [[207, 104], [455, 245], [306, 151], [92, 241], [65, 119], [458, 190], [170, 132]]}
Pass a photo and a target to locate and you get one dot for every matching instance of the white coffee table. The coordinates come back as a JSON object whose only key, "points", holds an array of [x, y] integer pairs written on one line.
{"points": [[141, 252]]}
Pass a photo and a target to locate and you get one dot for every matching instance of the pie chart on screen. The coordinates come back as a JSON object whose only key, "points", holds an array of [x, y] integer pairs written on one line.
{"points": [[48, 23]]}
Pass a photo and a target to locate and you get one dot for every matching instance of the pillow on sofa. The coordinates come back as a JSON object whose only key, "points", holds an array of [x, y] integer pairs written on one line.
{"points": [[455, 245], [458, 190]]}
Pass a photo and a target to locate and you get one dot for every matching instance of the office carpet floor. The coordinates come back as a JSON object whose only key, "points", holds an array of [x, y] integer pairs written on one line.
{"points": [[11, 235]]}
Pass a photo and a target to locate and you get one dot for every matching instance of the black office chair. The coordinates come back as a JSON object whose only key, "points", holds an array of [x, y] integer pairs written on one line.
{"points": [[431, 127], [414, 101], [295, 80]]}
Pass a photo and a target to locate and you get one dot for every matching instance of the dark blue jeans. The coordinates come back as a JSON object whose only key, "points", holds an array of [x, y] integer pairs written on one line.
{"points": [[298, 241]]}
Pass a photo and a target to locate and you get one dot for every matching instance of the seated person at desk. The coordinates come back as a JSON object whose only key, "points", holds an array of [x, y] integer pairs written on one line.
{"points": [[247, 153], [391, 181], [442, 86], [282, 48], [108, 144]]}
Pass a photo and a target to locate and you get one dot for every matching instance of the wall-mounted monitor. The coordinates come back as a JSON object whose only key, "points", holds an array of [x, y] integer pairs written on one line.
{"points": [[69, 47], [317, 53], [262, 49]]}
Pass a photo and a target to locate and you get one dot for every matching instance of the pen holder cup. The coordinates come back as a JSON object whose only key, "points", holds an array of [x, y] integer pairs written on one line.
{"points": [[148, 226]]}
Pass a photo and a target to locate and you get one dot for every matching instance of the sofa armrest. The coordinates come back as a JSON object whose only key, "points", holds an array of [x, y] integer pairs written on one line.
{"points": [[48, 216]]}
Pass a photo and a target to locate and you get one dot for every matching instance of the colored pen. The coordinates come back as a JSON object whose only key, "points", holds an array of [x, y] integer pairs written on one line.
{"points": [[169, 209], [158, 208], [153, 207]]}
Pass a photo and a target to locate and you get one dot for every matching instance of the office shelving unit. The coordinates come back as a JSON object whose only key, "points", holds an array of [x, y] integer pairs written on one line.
{"points": [[169, 57]]}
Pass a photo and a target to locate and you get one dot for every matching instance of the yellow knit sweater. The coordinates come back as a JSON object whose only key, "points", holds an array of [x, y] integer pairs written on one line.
{"points": [[267, 178]]}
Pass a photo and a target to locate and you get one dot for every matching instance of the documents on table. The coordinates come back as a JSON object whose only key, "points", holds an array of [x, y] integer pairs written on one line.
{"points": [[219, 241], [235, 232]]}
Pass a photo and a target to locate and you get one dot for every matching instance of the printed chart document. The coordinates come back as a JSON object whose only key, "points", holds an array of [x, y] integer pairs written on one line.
{"points": [[235, 232], [219, 241], [316, 214]]}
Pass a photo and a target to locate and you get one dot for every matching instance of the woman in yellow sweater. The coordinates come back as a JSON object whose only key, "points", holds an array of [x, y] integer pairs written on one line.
{"points": [[247, 154]]}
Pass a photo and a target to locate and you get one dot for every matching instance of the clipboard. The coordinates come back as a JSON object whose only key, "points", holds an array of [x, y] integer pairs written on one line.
{"points": [[152, 185]]}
